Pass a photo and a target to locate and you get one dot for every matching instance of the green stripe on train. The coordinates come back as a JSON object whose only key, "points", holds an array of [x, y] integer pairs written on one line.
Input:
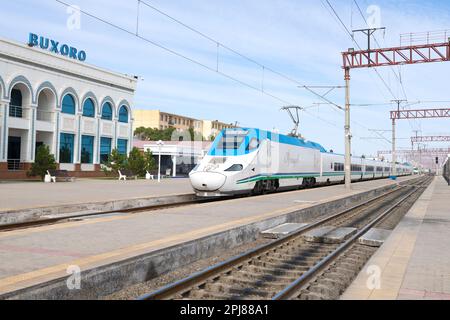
{"points": [[312, 175]]}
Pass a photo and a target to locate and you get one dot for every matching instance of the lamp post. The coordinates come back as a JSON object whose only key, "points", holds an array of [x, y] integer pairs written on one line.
{"points": [[160, 144]]}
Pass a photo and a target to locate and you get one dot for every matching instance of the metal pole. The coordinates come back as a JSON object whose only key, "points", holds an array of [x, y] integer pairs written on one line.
{"points": [[394, 152], [348, 137], [159, 164]]}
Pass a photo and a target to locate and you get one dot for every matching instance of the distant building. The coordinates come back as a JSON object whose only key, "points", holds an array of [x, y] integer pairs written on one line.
{"points": [[178, 158], [80, 111], [212, 128], [163, 120]]}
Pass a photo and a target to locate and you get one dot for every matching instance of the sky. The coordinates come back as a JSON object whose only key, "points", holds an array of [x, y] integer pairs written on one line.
{"points": [[301, 40]]}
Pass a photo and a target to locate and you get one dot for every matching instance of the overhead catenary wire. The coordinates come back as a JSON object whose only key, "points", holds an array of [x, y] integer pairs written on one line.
{"points": [[262, 66], [398, 76], [339, 20], [214, 69], [357, 44]]}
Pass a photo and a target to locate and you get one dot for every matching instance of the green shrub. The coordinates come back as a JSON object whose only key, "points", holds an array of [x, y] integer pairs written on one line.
{"points": [[116, 162], [44, 161], [136, 162], [150, 163]]}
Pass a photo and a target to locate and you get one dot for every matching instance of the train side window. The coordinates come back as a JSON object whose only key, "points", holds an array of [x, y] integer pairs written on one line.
{"points": [[253, 144], [338, 167]]}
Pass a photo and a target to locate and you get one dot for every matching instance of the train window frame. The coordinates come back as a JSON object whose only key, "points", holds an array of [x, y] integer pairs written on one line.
{"points": [[225, 142], [237, 167], [251, 147]]}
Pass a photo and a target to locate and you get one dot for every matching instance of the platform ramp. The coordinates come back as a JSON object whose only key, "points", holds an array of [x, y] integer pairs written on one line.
{"points": [[329, 234], [282, 230], [374, 237]]}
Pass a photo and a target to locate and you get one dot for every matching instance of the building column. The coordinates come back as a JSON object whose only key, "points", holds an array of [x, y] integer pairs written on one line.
{"points": [[55, 145], [174, 164], [4, 110], [32, 134], [114, 139], [96, 155], [130, 143], [77, 143]]}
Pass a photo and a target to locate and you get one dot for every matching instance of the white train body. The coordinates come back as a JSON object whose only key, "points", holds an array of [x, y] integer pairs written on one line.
{"points": [[253, 160]]}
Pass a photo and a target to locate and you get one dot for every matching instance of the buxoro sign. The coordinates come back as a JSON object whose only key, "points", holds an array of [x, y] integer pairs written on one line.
{"points": [[55, 47]]}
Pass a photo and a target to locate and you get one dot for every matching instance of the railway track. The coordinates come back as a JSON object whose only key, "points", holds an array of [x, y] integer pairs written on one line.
{"points": [[292, 267]]}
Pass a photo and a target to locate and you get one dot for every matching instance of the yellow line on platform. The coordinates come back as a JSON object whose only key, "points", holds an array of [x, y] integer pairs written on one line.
{"points": [[74, 224], [12, 283]]}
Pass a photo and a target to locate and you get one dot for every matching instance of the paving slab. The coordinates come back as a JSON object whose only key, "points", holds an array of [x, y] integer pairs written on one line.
{"points": [[375, 237], [24, 195], [414, 262], [329, 234], [43, 253], [282, 230]]}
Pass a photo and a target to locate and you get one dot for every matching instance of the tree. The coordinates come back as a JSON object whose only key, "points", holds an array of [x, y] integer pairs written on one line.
{"points": [[150, 163], [116, 161], [195, 136], [44, 161], [140, 133], [153, 134], [136, 162]]}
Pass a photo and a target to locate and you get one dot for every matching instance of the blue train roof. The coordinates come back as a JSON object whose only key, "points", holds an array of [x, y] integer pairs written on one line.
{"points": [[247, 134]]}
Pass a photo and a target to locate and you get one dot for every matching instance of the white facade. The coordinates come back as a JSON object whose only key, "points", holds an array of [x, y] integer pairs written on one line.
{"points": [[44, 79], [181, 153]]}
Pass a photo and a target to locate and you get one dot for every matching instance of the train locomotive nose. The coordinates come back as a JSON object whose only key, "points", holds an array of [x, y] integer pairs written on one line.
{"points": [[207, 181]]}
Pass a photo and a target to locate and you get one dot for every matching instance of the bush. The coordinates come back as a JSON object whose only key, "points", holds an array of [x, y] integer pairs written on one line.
{"points": [[44, 161], [116, 162], [150, 163], [136, 162]]}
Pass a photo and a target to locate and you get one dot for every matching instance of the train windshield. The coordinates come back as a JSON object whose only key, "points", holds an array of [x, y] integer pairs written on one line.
{"points": [[232, 140]]}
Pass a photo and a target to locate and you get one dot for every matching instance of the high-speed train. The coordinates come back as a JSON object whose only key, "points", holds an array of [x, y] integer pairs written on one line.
{"points": [[256, 161]]}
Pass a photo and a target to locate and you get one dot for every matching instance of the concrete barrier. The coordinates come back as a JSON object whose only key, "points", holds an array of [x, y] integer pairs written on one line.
{"points": [[12, 217]]}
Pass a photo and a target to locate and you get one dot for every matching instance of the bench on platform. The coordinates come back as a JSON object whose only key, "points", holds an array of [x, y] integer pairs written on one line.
{"points": [[60, 175], [124, 174]]}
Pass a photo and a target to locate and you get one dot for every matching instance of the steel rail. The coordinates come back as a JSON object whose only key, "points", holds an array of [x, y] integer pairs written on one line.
{"points": [[302, 281], [201, 276]]}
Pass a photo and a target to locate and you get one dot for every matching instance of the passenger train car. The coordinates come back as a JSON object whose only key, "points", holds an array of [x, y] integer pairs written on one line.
{"points": [[256, 161], [446, 169]]}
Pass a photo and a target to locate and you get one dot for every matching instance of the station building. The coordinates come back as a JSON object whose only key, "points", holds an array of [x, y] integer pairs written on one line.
{"points": [[49, 95]]}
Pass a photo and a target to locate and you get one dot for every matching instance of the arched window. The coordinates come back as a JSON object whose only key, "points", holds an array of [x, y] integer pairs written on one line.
{"points": [[16, 98], [89, 108], [68, 104], [107, 111], [123, 114], [15, 106]]}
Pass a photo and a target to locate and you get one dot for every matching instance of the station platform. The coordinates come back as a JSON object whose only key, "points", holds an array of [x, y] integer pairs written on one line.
{"points": [[25, 195], [41, 254], [414, 262]]}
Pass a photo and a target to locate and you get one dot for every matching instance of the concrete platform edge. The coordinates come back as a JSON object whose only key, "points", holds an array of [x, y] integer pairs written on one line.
{"points": [[36, 214], [101, 280]]}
